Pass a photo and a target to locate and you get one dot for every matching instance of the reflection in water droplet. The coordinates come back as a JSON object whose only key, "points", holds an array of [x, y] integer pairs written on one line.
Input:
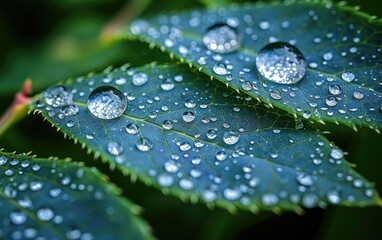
{"points": [[167, 84], [220, 69], [107, 102], [221, 38], [144, 145], [114, 148], [331, 101], [57, 96], [281, 62], [347, 76], [231, 137], [167, 124], [188, 116], [335, 89], [221, 155], [132, 128], [139, 79]]}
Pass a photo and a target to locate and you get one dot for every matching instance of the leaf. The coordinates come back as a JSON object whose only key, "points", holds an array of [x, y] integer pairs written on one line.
{"points": [[338, 43], [199, 140], [58, 199]]}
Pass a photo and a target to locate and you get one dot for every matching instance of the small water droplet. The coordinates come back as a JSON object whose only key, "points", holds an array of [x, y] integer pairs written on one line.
{"points": [[304, 179], [335, 89], [45, 214], [336, 153], [269, 199], [358, 95], [221, 38], [220, 69], [231, 137], [211, 133], [333, 197], [144, 145], [275, 94], [331, 101], [167, 84], [18, 218], [347, 76], [165, 180], [115, 148], [281, 62], [132, 128], [70, 110], [221, 155], [189, 103], [57, 96], [139, 79], [188, 116], [185, 146], [231, 194], [107, 102]]}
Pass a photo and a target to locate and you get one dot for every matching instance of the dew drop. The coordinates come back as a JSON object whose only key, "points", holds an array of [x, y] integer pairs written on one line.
{"points": [[107, 102], [358, 95], [333, 197], [70, 110], [189, 103], [221, 38], [231, 194], [269, 199], [57, 96], [221, 155], [347, 76], [167, 84], [18, 218], [211, 133], [220, 69], [139, 79], [331, 101], [115, 148], [231, 137], [304, 179], [45, 214], [165, 180], [144, 145], [336, 153], [188, 116], [335, 89], [167, 124], [132, 128], [275, 94], [185, 146], [281, 62]]}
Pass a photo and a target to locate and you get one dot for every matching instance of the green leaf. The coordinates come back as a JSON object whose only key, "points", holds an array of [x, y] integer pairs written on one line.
{"points": [[199, 140], [337, 42], [59, 199]]}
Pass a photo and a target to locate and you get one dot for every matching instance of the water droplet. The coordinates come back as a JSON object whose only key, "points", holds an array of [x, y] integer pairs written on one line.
{"points": [[132, 128], [327, 56], [309, 201], [185, 146], [331, 101], [231, 137], [45, 214], [189, 103], [171, 167], [188, 116], [304, 179], [115, 148], [358, 95], [167, 124], [275, 94], [70, 123], [186, 184], [139, 79], [335, 89], [221, 155], [165, 180], [336, 153], [18, 218], [144, 145], [231, 194], [269, 199], [70, 110], [347, 76], [221, 38], [107, 102], [211, 133], [306, 114], [220, 69], [3, 160], [167, 84], [333, 197], [281, 62], [57, 96]]}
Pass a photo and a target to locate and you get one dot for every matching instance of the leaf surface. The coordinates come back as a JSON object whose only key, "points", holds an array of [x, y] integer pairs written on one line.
{"points": [[199, 140], [53, 198], [342, 48]]}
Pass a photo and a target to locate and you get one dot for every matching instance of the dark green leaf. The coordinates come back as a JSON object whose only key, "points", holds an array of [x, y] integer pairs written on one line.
{"points": [[181, 132], [53, 198], [338, 43]]}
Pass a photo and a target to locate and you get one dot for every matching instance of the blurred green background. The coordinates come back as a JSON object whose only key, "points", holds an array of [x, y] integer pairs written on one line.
{"points": [[53, 40]]}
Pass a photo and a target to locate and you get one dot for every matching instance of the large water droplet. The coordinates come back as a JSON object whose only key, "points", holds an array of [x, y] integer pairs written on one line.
{"points": [[231, 137], [57, 96], [335, 89], [188, 116], [107, 102], [139, 79], [221, 38], [144, 145], [281, 62]]}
